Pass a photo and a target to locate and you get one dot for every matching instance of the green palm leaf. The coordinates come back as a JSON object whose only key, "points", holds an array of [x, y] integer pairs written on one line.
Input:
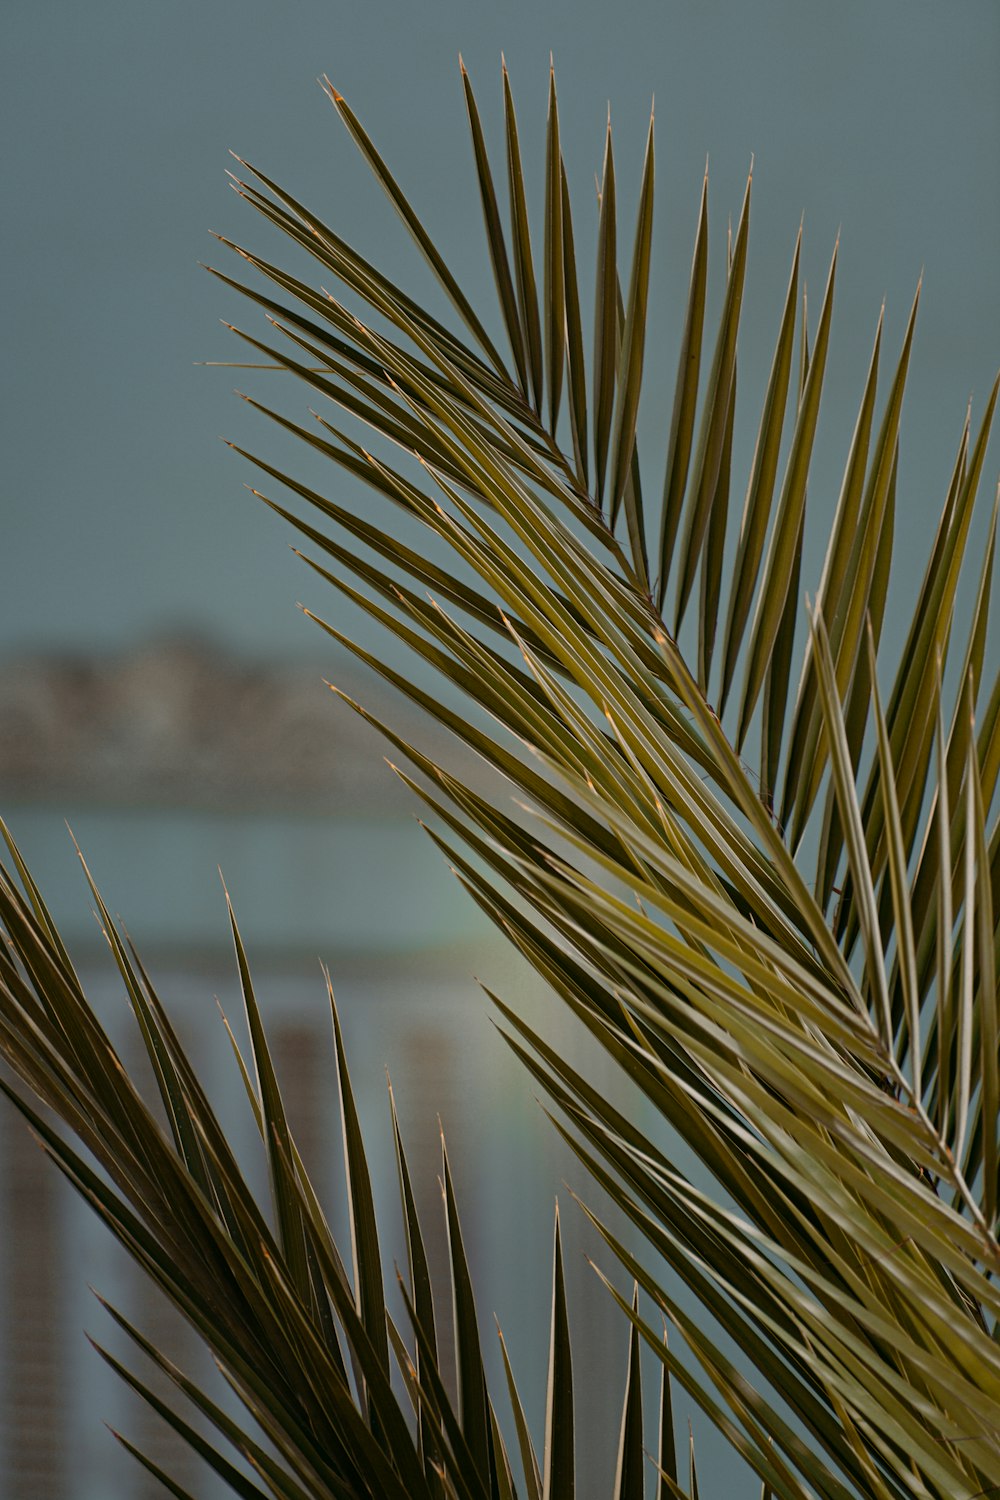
{"points": [[272, 1308]]}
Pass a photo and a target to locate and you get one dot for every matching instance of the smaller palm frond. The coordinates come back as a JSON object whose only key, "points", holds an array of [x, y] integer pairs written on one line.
{"points": [[337, 1399]]}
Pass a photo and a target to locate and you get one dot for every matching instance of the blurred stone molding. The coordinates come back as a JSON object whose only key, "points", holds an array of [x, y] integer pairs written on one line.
{"points": [[179, 723]]}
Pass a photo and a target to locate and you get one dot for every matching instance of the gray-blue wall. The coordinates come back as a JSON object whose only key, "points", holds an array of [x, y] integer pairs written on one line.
{"points": [[122, 513]]}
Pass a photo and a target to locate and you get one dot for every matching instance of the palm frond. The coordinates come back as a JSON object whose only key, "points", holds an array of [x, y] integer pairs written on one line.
{"points": [[310, 1350], [669, 911]]}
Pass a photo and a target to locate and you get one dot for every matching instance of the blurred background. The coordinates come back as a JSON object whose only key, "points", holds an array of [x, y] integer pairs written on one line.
{"points": [[160, 692]]}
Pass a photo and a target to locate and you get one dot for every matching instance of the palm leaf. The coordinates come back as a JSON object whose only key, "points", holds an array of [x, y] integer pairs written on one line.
{"points": [[685, 401], [711, 439], [272, 1309], [495, 235]]}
